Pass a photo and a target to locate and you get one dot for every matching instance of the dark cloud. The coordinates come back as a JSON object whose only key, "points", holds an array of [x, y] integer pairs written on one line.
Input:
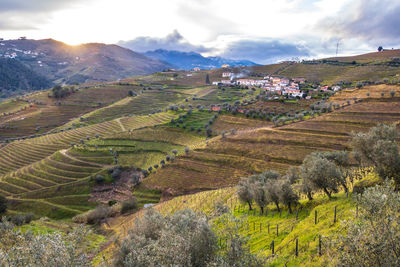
{"points": [[377, 22], [264, 51], [173, 41]]}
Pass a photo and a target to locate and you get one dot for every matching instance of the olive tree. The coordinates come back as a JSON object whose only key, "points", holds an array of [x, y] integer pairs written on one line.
{"points": [[318, 173], [273, 188], [378, 148], [260, 196], [182, 239], [373, 239], [287, 196], [24, 248], [245, 191]]}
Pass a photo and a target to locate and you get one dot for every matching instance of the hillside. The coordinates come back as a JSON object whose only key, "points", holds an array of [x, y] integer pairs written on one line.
{"points": [[62, 63], [169, 139], [15, 76], [189, 60]]}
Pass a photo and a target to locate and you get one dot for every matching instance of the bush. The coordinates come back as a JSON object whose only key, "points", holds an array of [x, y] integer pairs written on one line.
{"points": [[128, 205], [373, 239], [182, 239], [98, 214], [21, 219], [23, 248], [99, 179], [3, 204]]}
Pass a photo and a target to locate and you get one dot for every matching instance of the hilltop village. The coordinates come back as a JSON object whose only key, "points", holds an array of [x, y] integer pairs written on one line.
{"points": [[274, 86]]}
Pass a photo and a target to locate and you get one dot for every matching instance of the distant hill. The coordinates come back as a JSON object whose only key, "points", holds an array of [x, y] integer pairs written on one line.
{"points": [[190, 60], [15, 76], [384, 55], [62, 63]]}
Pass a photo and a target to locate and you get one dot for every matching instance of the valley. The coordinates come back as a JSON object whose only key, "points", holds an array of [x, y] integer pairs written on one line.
{"points": [[173, 141]]}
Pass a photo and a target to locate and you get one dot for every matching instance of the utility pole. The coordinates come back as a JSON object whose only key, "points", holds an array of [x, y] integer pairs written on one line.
{"points": [[337, 47]]}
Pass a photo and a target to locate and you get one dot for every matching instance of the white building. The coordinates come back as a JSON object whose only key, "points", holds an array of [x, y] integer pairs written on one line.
{"points": [[227, 74]]}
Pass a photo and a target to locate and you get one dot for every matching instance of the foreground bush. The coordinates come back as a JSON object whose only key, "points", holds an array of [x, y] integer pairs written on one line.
{"points": [[374, 238], [129, 205], [45, 250], [182, 239]]}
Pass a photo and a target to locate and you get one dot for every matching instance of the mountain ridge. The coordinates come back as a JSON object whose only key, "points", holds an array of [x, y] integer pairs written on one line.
{"points": [[91, 62], [190, 60]]}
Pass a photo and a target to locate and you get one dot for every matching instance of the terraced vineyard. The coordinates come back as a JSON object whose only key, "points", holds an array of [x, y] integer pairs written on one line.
{"points": [[42, 172], [43, 113], [145, 103], [224, 160]]}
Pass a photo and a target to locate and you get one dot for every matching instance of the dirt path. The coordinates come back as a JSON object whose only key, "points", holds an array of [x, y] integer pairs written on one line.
{"points": [[64, 152], [120, 124]]}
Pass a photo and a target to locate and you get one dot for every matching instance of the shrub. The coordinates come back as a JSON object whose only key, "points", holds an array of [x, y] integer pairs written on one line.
{"points": [[373, 239], [98, 214], [128, 205], [23, 248], [182, 239], [99, 179], [21, 219], [3, 204]]}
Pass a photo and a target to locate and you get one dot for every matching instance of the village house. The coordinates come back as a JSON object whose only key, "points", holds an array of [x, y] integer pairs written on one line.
{"points": [[299, 80], [323, 88], [227, 74], [196, 69], [293, 92]]}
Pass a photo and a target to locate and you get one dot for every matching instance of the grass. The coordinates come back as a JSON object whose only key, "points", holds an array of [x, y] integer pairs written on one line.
{"points": [[261, 230]]}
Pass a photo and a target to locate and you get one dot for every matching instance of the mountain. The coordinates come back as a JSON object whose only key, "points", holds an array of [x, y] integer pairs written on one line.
{"points": [[190, 60], [16, 76], [62, 63]]}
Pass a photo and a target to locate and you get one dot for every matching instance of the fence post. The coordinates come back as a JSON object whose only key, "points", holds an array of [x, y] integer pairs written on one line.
{"points": [[334, 219], [277, 229], [254, 226], [268, 228], [273, 247], [316, 216], [260, 226], [297, 247], [357, 211], [297, 214], [320, 246]]}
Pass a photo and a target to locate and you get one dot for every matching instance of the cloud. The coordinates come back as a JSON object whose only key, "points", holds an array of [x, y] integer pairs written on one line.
{"points": [[264, 51], [376, 22], [26, 15], [173, 41]]}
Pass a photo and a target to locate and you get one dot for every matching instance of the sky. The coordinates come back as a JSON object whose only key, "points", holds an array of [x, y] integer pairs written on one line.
{"points": [[264, 31]]}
